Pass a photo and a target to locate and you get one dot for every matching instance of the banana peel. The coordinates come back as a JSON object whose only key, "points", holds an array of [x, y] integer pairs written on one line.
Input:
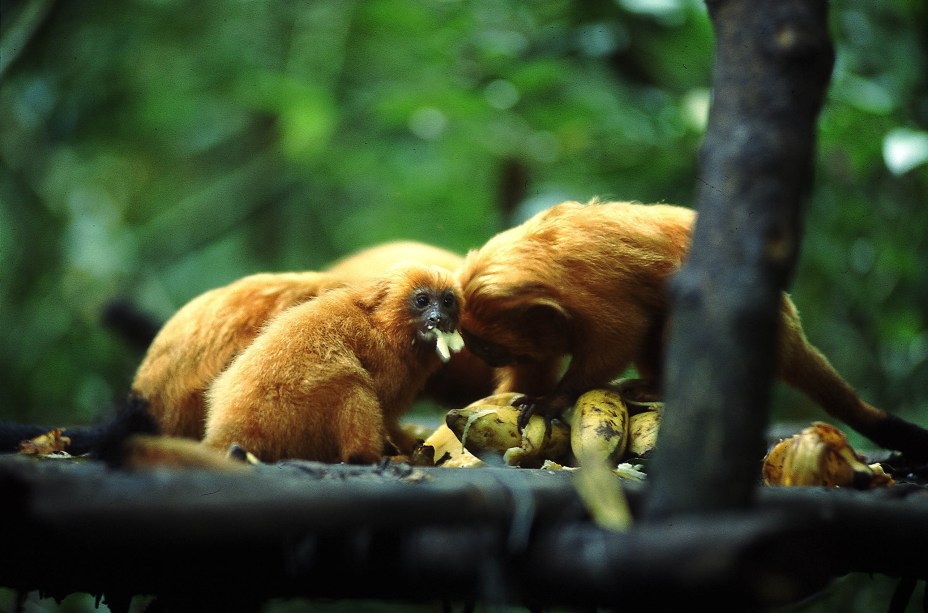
{"points": [[51, 443], [448, 451], [820, 455]]}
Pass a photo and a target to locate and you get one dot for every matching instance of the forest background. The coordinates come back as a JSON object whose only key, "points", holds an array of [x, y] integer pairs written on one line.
{"points": [[153, 149]]}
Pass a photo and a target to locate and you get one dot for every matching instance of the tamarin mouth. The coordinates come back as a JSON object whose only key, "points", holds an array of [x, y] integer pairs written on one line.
{"points": [[446, 343]]}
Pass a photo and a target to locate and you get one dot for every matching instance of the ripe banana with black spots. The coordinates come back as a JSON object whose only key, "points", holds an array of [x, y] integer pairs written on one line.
{"points": [[642, 435], [491, 432], [599, 427]]}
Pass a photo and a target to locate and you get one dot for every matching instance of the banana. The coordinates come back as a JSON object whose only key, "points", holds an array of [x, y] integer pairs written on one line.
{"points": [[447, 343], [602, 495], [491, 432], [642, 433], [630, 472], [598, 427], [820, 455], [598, 437], [449, 452]]}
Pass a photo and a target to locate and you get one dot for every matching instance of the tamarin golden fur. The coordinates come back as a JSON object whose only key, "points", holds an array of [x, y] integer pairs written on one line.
{"points": [[200, 340], [203, 337], [374, 260], [329, 379], [465, 378], [589, 281]]}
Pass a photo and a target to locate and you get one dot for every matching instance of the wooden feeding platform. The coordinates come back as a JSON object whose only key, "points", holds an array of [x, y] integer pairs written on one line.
{"points": [[511, 536]]}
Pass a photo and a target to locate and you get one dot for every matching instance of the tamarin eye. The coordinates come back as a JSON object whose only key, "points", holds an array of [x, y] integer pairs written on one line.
{"points": [[448, 300], [422, 300]]}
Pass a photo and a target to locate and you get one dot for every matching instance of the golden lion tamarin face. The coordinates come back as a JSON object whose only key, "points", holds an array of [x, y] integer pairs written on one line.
{"points": [[429, 299], [436, 311], [435, 308]]}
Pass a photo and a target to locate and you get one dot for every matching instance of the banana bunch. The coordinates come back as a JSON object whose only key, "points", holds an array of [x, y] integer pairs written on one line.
{"points": [[609, 426], [605, 426], [598, 428], [820, 455]]}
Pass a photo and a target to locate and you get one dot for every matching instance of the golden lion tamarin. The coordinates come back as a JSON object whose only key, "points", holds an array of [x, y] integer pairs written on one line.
{"points": [[329, 379], [466, 377], [200, 340], [589, 281]]}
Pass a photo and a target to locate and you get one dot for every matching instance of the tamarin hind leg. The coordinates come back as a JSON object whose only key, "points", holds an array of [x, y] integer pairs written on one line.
{"points": [[360, 429], [186, 416]]}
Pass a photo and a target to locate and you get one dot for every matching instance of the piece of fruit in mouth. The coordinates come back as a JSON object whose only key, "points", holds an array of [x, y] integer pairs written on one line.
{"points": [[447, 342]]}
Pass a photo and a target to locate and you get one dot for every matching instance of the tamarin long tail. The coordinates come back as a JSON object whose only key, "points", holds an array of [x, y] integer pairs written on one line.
{"points": [[808, 370], [100, 441], [130, 440]]}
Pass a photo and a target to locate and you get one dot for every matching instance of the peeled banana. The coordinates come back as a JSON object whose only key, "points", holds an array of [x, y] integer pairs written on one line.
{"points": [[447, 343], [491, 432], [820, 455], [598, 427]]}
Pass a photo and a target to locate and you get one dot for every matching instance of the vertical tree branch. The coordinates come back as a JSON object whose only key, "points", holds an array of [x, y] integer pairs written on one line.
{"points": [[773, 59]]}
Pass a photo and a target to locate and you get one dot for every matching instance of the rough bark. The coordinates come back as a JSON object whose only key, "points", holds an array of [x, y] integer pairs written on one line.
{"points": [[772, 65]]}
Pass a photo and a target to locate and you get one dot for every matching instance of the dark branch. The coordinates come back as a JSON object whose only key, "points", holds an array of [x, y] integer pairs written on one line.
{"points": [[499, 535], [772, 64]]}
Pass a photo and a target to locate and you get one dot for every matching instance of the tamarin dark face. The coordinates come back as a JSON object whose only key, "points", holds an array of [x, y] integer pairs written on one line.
{"points": [[437, 312], [435, 308]]}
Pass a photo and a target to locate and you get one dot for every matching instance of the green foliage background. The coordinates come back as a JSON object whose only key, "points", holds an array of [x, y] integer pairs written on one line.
{"points": [[153, 149]]}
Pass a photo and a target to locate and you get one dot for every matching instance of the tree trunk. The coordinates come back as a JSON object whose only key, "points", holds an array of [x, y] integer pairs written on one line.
{"points": [[772, 65]]}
